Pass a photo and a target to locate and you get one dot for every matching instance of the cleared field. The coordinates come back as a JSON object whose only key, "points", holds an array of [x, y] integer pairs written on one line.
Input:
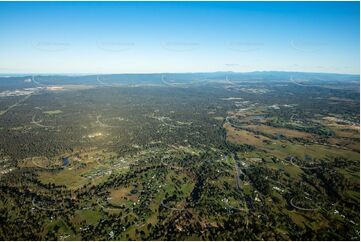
{"points": [[276, 131], [341, 129], [353, 144], [41, 162], [120, 195], [53, 112], [71, 177], [244, 137], [283, 148], [314, 151], [89, 216]]}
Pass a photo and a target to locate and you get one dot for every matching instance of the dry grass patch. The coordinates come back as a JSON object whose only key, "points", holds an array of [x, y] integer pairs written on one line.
{"points": [[284, 131], [40, 161], [70, 177], [120, 193], [342, 130], [244, 137]]}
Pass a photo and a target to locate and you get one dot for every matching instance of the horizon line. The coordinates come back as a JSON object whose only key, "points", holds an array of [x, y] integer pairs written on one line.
{"points": [[152, 73]]}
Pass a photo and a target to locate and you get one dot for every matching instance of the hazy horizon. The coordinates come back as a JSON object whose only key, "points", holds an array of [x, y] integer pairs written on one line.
{"points": [[185, 72]]}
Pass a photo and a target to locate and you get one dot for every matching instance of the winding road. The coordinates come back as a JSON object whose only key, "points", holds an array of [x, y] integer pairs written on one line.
{"points": [[303, 209]]}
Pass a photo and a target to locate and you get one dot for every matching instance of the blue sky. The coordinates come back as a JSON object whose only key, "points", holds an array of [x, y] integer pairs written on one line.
{"points": [[142, 37]]}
